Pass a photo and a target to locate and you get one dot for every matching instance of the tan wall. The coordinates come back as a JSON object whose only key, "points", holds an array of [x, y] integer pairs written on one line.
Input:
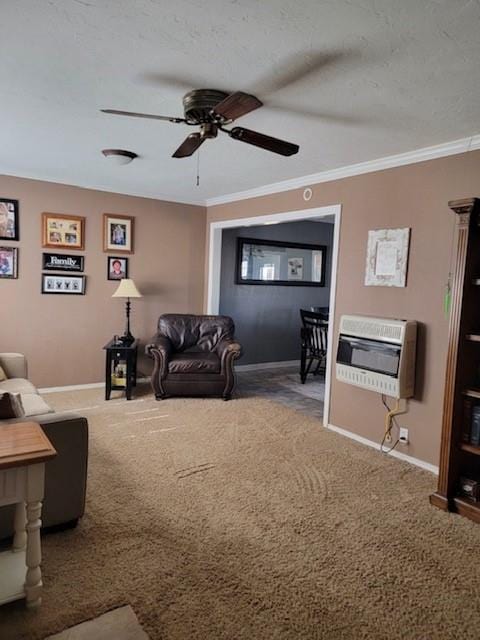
{"points": [[63, 335], [414, 196]]}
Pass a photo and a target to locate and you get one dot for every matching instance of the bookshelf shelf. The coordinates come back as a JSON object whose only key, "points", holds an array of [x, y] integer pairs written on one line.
{"points": [[461, 404], [472, 393], [471, 448], [467, 508]]}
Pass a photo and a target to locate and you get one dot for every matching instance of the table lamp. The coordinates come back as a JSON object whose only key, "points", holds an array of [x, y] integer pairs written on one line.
{"points": [[127, 289]]}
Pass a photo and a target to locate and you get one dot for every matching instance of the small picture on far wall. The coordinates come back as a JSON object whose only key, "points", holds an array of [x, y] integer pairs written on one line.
{"points": [[118, 233], [8, 262], [387, 257], [295, 268], [74, 285], [63, 231], [117, 268], [9, 219]]}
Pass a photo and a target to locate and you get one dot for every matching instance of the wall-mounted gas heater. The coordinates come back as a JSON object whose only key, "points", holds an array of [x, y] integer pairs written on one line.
{"points": [[377, 354]]}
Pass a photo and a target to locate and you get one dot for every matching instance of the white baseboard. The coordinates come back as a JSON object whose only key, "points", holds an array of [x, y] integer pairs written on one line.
{"points": [[79, 387], [375, 445], [267, 365]]}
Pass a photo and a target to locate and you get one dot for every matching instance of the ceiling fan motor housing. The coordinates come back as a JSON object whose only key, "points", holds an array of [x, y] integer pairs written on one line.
{"points": [[198, 105]]}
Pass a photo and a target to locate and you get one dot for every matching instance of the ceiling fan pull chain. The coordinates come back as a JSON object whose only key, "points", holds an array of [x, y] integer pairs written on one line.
{"points": [[198, 168]]}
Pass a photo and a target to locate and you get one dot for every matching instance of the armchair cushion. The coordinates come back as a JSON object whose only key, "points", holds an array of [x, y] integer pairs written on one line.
{"points": [[194, 362]]}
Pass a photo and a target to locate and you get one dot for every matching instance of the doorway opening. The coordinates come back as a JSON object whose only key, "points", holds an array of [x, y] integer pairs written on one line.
{"points": [[266, 316]]}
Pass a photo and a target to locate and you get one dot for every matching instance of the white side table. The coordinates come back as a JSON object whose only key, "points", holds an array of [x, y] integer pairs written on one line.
{"points": [[24, 449]]}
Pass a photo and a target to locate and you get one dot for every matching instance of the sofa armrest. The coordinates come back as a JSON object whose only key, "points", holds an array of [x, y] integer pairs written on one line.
{"points": [[66, 474], [14, 365]]}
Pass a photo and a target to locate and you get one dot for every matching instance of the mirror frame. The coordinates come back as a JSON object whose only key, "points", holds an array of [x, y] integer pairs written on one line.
{"points": [[277, 243]]}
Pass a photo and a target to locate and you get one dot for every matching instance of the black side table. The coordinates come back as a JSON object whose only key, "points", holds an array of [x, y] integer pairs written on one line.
{"points": [[121, 368]]}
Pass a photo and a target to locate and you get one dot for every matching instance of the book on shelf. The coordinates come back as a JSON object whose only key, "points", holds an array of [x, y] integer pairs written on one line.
{"points": [[475, 426], [468, 404]]}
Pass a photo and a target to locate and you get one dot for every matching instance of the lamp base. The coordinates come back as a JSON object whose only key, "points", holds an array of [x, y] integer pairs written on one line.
{"points": [[127, 339]]}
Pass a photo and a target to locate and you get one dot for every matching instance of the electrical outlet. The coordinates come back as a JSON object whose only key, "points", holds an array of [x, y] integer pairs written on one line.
{"points": [[403, 435]]}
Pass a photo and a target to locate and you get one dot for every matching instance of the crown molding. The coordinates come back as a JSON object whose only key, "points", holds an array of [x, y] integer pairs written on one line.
{"points": [[93, 187], [411, 157], [454, 147]]}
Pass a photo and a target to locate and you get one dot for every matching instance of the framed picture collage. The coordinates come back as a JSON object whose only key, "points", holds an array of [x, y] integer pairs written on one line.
{"points": [[63, 273]]}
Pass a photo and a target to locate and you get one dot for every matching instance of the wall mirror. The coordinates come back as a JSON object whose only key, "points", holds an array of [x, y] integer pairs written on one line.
{"points": [[270, 262]]}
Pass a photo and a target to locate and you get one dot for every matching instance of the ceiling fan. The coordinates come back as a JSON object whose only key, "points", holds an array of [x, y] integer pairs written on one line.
{"points": [[211, 110]]}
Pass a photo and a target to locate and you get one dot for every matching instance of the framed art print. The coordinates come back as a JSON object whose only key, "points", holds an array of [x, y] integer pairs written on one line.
{"points": [[63, 231], [387, 257], [118, 233], [9, 219], [117, 267], [8, 262], [57, 284]]}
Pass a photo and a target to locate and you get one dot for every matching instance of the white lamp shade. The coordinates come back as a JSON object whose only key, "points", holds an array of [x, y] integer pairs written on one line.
{"points": [[127, 289]]}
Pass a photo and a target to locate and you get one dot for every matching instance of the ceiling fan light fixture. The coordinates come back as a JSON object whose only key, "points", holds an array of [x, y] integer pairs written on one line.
{"points": [[119, 156]]}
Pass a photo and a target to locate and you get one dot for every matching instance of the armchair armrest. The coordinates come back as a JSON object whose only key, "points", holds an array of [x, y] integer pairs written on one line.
{"points": [[228, 350], [14, 365], [160, 349], [160, 343]]}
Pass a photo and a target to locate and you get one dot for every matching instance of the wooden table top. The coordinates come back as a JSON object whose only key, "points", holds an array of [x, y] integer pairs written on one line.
{"points": [[23, 443]]}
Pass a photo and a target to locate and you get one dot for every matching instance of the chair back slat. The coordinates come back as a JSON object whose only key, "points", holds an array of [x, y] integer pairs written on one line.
{"points": [[315, 331]]}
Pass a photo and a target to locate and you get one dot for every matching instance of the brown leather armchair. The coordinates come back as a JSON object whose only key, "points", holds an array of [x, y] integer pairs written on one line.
{"points": [[194, 356]]}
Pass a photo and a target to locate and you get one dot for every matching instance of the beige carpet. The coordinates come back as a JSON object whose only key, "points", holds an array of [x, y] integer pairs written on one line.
{"points": [[245, 520]]}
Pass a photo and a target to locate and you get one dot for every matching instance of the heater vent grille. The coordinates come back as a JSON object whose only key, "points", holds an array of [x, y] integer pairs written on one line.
{"points": [[372, 328]]}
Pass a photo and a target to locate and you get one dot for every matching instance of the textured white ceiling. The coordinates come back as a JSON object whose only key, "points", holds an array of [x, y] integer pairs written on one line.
{"points": [[378, 77]]}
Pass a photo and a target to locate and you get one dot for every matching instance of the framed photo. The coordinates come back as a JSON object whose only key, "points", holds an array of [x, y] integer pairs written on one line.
{"points": [[8, 262], [62, 262], [56, 284], [295, 269], [9, 219], [64, 231], [118, 233], [117, 268], [271, 262], [387, 257]]}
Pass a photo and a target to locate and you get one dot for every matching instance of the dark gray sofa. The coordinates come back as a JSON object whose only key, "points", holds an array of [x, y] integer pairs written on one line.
{"points": [[65, 475]]}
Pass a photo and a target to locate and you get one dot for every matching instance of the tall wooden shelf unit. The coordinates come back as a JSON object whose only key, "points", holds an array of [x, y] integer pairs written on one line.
{"points": [[458, 457]]}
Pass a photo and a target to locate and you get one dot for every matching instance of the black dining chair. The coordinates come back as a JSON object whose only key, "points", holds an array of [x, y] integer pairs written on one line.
{"points": [[323, 311], [314, 334]]}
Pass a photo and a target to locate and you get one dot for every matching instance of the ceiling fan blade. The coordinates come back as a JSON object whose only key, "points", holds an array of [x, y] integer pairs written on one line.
{"points": [[236, 105], [189, 146], [133, 114], [320, 114], [300, 67], [264, 142]]}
